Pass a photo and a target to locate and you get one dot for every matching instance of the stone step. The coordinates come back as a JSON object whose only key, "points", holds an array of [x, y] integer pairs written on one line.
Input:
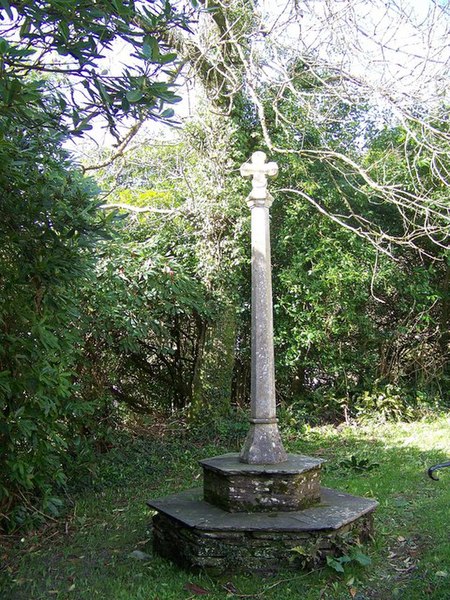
{"points": [[198, 535], [240, 487]]}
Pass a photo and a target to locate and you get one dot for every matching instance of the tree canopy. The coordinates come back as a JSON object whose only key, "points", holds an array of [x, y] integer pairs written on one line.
{"points": [[64, 43], [327, 61]]}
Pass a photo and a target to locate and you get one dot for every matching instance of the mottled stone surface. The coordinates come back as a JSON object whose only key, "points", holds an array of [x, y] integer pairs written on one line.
{"points": [[239, 487], [229, 463], [197, 535], [257, 508], [335, 510]]}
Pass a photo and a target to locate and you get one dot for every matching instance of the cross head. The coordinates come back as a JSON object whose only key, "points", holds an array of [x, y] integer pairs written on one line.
{"points": [[259, 170]]}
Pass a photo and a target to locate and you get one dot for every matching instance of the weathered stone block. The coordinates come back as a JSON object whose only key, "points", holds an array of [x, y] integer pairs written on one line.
{"points": [[197, 535], [240, 487]]}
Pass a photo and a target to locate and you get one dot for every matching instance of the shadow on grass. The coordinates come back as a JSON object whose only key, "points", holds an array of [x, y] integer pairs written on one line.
{"points": [[89, 554]]}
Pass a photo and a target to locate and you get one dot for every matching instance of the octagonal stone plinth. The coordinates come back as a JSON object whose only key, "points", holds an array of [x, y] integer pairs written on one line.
{"points": [[240, 487], [198, 535]]}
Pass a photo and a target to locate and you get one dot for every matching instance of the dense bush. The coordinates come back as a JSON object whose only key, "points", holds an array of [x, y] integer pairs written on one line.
{"points": [[53, 82], [48, 224]]}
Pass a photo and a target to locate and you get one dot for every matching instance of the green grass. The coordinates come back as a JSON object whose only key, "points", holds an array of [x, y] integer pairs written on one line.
{"points": [[87, 555]]}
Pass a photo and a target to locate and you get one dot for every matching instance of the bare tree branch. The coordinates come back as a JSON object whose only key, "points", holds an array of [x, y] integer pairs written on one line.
{"points": [[137, 209]]}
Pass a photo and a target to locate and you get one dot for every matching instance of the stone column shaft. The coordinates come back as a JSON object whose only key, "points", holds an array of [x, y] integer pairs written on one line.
{"points": [[263, 365]]}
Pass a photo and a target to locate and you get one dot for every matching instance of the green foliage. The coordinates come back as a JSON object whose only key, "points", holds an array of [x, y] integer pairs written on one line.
{"points": [[355, 555], [344, 320], [359, 465], [157, 316], [68, 40], [395, 154], [409, 553], [308, 555], [350, 321], [164, 306], [48, 225], [341, 550], [148, 311], [53, 85], [391, 403]]}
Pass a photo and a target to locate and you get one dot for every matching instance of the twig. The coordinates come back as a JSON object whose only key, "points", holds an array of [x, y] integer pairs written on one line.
{"points": [[28, 503], [120, 150], [269, 587]]}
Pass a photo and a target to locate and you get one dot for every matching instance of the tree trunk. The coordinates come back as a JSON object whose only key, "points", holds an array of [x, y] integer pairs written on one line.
{"points": [[214, 368]]}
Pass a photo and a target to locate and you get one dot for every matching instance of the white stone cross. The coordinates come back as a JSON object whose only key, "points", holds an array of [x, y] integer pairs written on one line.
{"points": [[263, 444], [259, 170]]}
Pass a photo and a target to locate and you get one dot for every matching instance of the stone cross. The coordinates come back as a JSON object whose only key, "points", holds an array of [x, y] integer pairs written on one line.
{"points": [[263, 444]]}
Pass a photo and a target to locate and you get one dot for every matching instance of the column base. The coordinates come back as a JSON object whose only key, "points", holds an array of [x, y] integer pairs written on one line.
{"points": [[263, 445]]}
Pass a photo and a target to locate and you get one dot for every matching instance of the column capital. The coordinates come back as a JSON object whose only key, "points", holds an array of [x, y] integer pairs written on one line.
{"points": [[252, 202]]}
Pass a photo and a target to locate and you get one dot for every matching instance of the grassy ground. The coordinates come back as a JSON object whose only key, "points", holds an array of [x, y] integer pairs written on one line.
{"points": [[92, 553]]}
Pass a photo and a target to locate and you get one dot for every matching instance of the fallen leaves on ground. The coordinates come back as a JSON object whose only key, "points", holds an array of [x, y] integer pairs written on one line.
{"points": [[196, 589]]}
